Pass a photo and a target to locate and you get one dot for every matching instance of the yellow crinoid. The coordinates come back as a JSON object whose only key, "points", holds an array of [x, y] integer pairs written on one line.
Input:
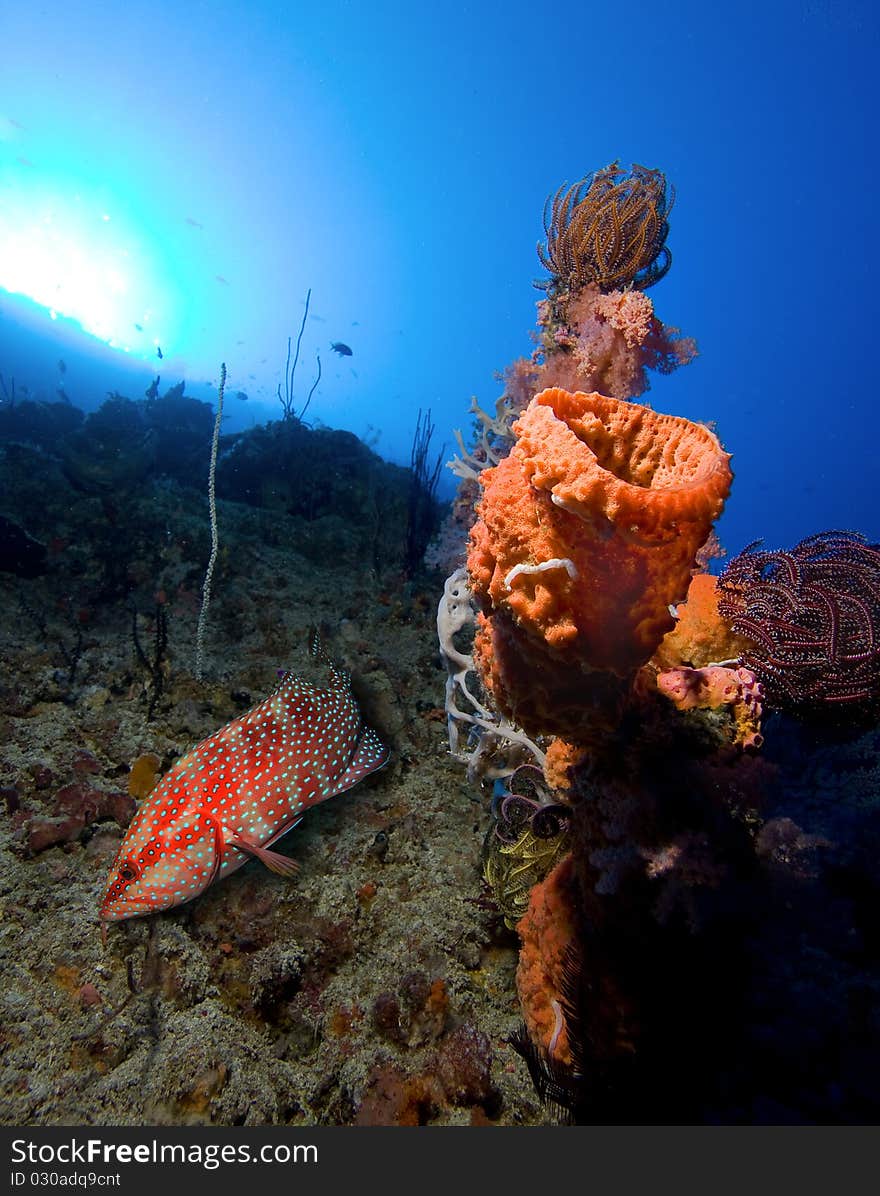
{"points": [[609, 230]]}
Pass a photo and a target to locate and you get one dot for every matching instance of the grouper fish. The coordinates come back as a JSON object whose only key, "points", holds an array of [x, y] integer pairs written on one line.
{"points": [[233, 795]]}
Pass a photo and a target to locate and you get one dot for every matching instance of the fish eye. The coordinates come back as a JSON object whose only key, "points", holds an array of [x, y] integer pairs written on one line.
{"points": [[128, 870]]}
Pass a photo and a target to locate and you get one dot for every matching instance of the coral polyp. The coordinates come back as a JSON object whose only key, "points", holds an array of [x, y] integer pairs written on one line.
{"points": [[609, 229]]}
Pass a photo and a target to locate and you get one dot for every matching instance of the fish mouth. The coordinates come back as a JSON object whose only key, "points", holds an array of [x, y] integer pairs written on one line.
{"points": [[125, 909], [134, 907], [154, 901]]}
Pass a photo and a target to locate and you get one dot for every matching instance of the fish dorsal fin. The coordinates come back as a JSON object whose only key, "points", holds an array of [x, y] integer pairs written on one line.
{"points": [[371, 754], [317, 651], [340, 678]]}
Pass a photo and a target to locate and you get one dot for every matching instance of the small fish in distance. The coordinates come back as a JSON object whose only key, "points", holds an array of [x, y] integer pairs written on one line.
{"points": [[341, 348]]}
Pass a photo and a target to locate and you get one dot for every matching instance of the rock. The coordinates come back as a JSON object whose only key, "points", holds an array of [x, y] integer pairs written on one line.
{"points": [[464, 1062], [275, 975], [48, 832]]}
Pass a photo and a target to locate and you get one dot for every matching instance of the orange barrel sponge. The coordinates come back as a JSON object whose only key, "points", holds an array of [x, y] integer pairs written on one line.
{"points": [[549, 939], [587, 533]]}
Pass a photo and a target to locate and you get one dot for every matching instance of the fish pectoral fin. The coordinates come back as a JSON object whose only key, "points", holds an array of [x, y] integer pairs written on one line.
{"points": [[282, 865], [219, 847]]}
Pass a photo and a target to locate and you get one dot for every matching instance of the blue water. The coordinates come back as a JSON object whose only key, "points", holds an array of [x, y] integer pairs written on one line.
{"points": [[195, 170]]}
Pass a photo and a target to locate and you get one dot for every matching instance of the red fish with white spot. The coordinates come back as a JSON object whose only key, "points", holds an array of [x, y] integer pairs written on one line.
{"points": [[238, 791]]}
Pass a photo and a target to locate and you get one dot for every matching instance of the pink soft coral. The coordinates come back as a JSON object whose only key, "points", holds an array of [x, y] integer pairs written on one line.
{"points": [[594, 341], [715, 686]]}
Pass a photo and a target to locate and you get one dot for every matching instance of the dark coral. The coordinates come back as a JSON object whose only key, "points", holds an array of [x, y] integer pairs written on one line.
{"points": [[812, 616], [609, 229]]}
